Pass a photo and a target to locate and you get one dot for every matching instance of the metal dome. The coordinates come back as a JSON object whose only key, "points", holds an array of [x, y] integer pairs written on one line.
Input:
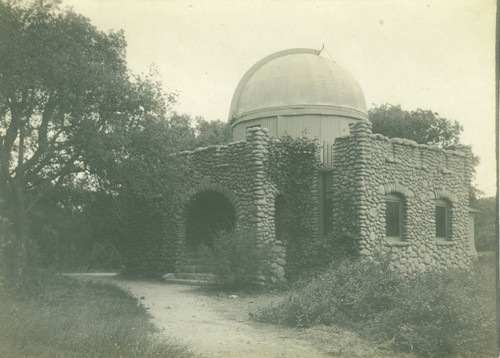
{"points": [[297, 81]]}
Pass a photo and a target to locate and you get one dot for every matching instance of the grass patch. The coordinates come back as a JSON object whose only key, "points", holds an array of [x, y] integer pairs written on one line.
{"points": [[436, 314], [64, 317]]}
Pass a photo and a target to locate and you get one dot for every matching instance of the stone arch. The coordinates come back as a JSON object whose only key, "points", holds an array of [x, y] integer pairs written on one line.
{"points": [[398, 188], [447, 195], [451, 200], [205, 185], [404, 194]]}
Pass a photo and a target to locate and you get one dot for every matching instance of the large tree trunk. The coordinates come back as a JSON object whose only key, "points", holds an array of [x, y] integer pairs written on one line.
{"points": [[20, 250], [4, 174], [19, 236]]}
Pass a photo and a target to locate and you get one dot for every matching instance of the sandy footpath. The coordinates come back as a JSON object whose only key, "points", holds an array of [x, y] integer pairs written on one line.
{"points": [[215, 326]]}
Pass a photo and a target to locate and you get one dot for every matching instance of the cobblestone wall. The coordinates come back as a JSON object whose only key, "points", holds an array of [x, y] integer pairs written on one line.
{"points": [[237, 171], [369, 166]]}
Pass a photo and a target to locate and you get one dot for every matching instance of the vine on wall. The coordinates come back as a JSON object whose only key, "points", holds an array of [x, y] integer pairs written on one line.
{"points": [[293, 167]]}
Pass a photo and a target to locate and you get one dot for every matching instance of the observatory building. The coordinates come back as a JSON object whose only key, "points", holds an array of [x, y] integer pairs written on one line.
{"points": [[385, 195]]}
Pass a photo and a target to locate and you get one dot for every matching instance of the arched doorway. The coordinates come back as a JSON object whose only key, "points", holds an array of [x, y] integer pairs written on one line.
{"points": [[208, 213]]}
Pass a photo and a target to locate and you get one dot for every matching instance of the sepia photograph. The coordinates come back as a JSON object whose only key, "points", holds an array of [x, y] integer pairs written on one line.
{"points": [[249, 179]]}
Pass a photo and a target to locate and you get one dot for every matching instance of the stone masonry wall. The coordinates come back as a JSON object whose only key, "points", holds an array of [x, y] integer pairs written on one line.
{"points": [[368, 166], [237, 171]]}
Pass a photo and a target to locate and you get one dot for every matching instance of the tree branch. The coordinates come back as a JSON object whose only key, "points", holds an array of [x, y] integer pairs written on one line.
{"points": [[68, 168], [63, 169], [12, 130], [48, 155], [43, 144]]}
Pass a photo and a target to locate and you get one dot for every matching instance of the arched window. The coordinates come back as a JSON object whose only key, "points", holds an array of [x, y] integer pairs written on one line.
{"points": [[442, 217], [394, 216]]}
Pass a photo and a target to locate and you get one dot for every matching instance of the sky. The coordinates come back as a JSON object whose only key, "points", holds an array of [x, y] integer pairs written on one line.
{"points": [[437, 55]]}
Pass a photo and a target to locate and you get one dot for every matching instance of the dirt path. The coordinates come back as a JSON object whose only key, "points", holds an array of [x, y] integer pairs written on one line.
{"points": [[198, 321], [217, 326]]}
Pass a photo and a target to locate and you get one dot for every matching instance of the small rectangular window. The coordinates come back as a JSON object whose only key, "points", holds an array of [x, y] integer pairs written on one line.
{"points": [[442, 221], [393, 218]]}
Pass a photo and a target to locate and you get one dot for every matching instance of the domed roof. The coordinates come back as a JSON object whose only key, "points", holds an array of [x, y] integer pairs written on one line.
{"points": [[297, 79]]}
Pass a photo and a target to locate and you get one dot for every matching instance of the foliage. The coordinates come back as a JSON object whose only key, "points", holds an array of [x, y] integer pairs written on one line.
{"points": [[293, 166], [436, 314], [74, 120], [197, 132], [212, 133], [62, 82], [422, 126], [69, 229], [65, 86], [335, 248], [6, 267], [105, 256], [68, 318], [236, 260], [485, 224], [137, 166], [136, 155]]}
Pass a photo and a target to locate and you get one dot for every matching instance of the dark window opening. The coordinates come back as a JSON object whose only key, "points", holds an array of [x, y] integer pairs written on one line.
{"points": [[394, 216], [442, 219]]}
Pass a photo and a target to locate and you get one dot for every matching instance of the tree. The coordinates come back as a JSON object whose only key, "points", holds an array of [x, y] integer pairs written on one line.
{"points": [[70, 111], [422, 126], [64, 87], [198, 132], [211, 133], [485, 224], [138, 166]]}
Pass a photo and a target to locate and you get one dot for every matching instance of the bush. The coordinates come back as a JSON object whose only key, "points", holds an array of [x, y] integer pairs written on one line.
{"points": [[443, 314], [435, 314], [105, 256], [236, 260]]}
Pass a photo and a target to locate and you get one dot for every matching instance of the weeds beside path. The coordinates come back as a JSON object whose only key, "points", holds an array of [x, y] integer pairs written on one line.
{"points": [[215, 324]]}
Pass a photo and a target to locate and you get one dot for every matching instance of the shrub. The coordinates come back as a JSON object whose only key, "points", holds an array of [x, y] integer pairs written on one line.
{"points": [[340, 295], [236, 260], [435, 314], [105, 256], [443, 314]]}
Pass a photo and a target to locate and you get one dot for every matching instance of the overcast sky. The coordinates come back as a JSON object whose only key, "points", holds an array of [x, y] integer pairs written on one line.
{"points": [[437, 55]]}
